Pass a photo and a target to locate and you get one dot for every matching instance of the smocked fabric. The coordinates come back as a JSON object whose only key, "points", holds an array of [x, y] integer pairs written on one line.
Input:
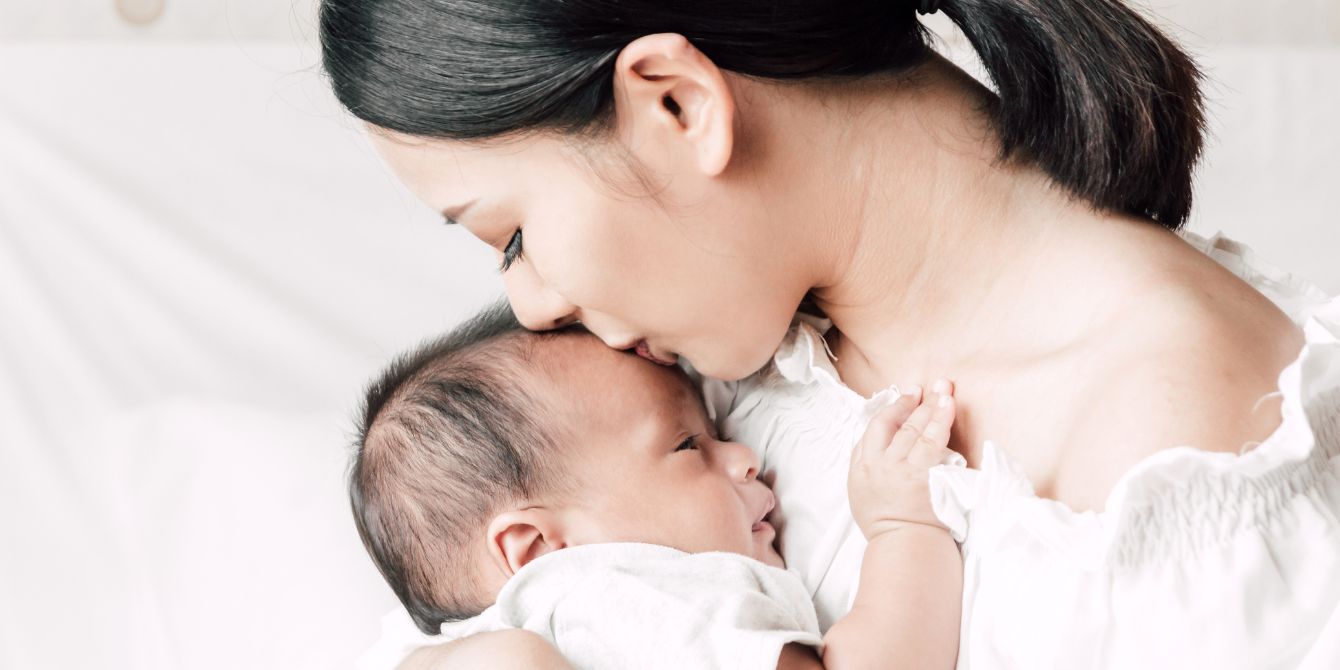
{"points": [[1198, 559]]}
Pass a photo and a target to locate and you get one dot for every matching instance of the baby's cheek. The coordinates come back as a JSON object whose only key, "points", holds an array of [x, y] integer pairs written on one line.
{"points": [[705, 531]]}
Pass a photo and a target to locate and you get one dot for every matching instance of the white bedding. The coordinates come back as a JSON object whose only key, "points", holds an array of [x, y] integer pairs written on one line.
{"points": [[200, 264]]}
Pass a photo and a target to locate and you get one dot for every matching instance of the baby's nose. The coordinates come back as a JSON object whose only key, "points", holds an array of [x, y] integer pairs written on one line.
{"points": [[740, 461]]}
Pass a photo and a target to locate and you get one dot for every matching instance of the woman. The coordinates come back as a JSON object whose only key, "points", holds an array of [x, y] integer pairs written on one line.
{"points": [[681, 177]]}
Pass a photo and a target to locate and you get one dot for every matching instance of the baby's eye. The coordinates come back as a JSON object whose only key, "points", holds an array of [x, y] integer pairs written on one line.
{"points": [[512, 251], [691, 442]]}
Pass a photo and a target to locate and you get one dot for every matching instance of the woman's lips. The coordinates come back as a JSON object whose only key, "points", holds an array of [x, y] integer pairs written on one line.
{"points": [[644, 350]]}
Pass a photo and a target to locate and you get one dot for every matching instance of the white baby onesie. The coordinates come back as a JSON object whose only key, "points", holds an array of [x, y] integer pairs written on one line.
{"points": [[628, 605]]}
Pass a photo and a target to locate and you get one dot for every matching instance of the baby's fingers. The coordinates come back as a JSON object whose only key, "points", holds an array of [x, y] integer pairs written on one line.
{"points": [[932, 446], [913, 430], [884, 424]]}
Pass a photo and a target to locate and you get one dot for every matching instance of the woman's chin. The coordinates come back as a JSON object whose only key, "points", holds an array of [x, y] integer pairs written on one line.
{"points": [[728, 369]]}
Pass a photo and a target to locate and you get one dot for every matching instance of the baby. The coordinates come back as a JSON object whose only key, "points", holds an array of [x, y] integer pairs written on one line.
{"points": [[509, 481]]}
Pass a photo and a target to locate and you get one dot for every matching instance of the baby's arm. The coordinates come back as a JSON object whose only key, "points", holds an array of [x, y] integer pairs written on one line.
{"points": [[517, 649], [907, 608]]}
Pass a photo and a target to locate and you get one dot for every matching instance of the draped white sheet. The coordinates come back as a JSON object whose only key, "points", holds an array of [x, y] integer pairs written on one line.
{"points": [[201, 262]]}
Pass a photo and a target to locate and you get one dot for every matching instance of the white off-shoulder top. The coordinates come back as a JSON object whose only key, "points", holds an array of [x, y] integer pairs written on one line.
{"points": [[1199, 559]]}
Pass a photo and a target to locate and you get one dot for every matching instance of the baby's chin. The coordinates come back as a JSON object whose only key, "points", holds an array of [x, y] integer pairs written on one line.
{"points": [[768, 553]]}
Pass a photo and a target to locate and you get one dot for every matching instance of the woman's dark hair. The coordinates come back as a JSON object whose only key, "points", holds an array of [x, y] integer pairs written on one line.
{"points": [[1090, 91]]}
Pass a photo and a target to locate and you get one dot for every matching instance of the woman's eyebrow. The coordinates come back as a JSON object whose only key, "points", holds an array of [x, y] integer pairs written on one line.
{"points": [[452, 215]]}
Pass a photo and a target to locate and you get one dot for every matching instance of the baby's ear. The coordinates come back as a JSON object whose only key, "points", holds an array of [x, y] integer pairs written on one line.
{"points": [[518, 537]]}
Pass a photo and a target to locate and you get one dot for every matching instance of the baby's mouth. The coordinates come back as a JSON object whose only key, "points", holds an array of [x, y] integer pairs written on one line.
{"points": [[762, 521]]}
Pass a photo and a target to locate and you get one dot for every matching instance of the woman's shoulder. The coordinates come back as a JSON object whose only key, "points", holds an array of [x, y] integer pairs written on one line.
{"points": [[1196, 365]]}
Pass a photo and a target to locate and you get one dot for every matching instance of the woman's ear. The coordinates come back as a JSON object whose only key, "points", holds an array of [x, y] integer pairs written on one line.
{"points": [[518, 537], [672, 104]]}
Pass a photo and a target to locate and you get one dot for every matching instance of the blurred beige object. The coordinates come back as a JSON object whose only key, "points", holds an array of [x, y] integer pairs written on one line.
{"points": [[158, 21], [140, 12]]}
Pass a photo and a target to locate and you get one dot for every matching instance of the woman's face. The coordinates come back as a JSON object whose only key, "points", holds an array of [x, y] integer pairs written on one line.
{"points": [[690, 272]]}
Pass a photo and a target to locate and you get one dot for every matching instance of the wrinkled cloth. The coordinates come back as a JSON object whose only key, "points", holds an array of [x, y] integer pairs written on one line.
{"points": [[1198, 559], [629, 605]]}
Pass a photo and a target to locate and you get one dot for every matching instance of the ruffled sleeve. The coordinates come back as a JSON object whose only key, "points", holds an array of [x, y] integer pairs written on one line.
{"points": [[1198, 559]]}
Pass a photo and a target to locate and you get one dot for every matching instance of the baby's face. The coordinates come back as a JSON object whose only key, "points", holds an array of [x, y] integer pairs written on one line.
{"points": [[646, 461]]}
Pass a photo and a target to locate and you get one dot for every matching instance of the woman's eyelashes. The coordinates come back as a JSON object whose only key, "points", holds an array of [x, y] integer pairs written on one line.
{"points": [[691, 442], [512, 252]]}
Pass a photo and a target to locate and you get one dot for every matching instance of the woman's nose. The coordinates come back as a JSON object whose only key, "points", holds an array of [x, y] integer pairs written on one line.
{"points": [[739, 461], [536, 306]]}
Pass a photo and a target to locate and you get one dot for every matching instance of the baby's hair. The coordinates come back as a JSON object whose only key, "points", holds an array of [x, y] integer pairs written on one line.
{"points": [[448, 434]]}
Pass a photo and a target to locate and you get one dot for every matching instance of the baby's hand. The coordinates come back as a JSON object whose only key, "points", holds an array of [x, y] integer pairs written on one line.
{"points": [[888, 485]]}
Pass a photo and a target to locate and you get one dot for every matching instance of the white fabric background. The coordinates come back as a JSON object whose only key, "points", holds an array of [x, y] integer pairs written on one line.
{"points": [[201, 262]]}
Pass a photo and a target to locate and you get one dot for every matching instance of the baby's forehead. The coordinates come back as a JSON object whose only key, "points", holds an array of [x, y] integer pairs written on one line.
{"points": [[585, 376]]}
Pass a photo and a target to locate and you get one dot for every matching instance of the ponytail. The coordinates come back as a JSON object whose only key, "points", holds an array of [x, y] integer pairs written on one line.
{"points": [[1100, 99]]}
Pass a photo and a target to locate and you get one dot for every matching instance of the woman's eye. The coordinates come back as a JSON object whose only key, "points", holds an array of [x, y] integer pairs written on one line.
{"points": [[691, 442], [512, 252]]}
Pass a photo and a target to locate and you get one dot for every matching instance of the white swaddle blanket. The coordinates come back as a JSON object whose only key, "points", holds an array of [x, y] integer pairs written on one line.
{"points": [[1199, 559], [628, 605]]}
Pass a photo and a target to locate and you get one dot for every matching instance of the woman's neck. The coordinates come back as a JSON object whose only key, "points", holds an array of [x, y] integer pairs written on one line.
{"points": [[947, 257]]}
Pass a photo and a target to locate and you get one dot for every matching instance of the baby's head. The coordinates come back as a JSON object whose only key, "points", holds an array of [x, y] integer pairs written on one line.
{"points": [[492, 446]]}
